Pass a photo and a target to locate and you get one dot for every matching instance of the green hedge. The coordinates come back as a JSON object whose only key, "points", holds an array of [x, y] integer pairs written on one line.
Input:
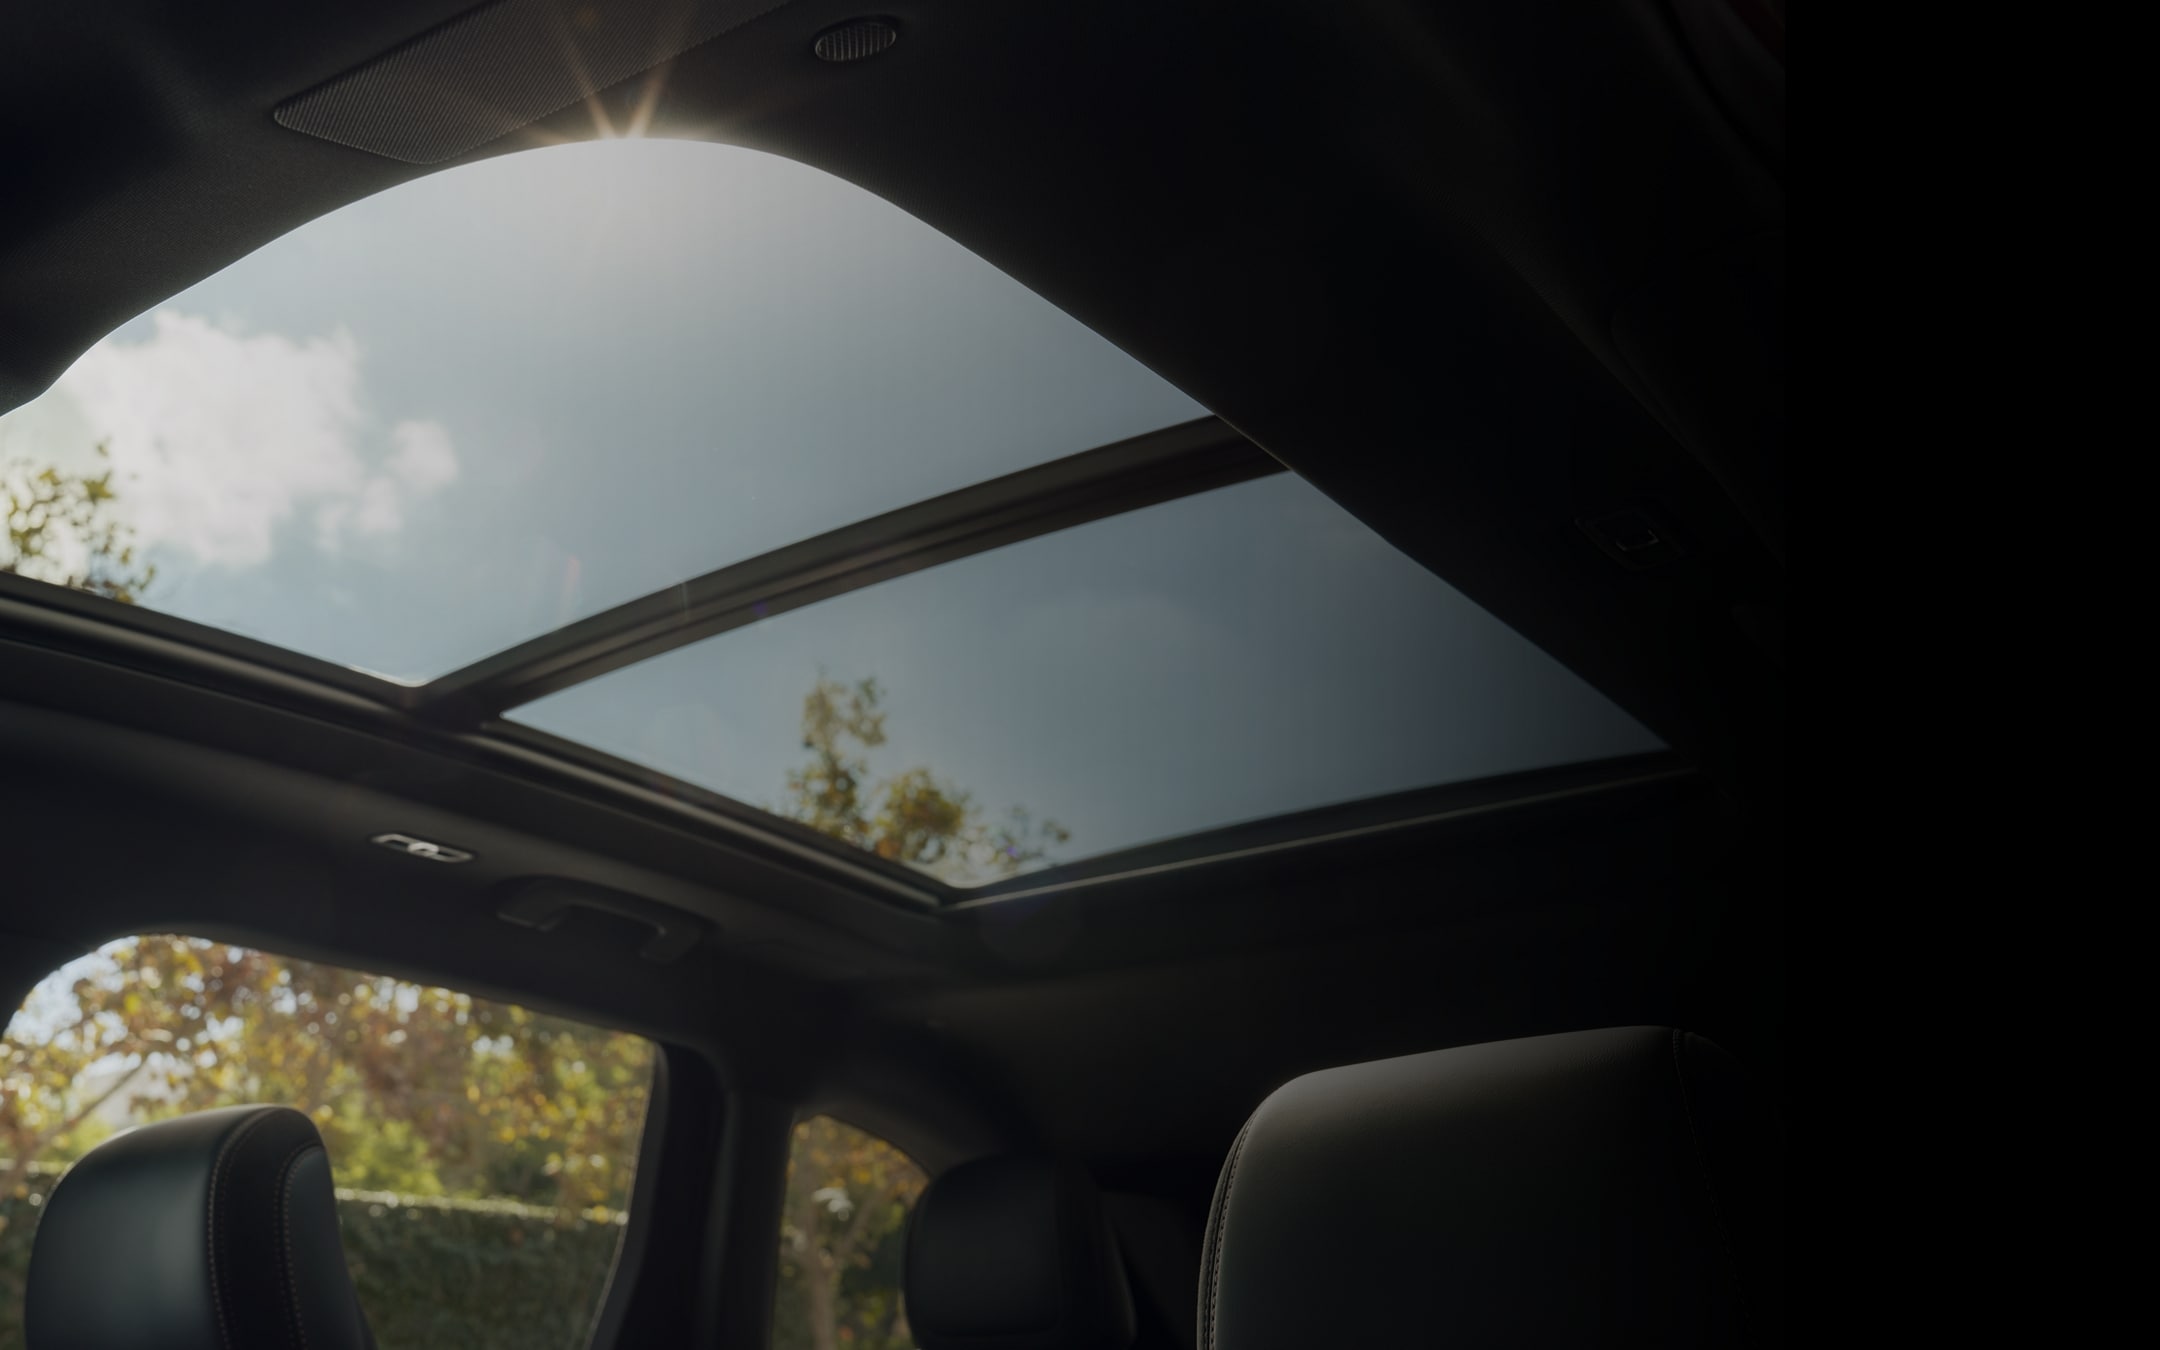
{"points": [[431, 1273]]}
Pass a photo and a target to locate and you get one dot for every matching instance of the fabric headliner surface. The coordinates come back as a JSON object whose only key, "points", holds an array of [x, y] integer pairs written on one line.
{"points": [[494, 69]]}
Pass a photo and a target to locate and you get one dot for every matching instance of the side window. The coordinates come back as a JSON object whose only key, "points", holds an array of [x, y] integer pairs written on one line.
{"points": [[482, 1153], [841, 1234]]}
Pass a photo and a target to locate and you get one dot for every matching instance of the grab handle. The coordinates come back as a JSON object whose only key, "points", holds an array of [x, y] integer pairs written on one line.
{"points": [[542, 904]]}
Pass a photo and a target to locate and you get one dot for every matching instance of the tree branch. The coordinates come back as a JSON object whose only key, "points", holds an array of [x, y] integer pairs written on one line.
{"points": [[28, 1153]]}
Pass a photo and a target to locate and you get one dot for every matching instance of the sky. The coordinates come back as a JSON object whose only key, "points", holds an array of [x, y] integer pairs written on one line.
{"points": [[480, 405]]}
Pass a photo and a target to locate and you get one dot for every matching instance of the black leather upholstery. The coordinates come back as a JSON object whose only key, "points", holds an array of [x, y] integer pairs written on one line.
{"points": [[1600, 1188], [215, 1231], [1015, 1253]]}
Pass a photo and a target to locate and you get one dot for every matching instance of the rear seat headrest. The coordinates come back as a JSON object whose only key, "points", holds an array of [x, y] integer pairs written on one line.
{"points": [[1015, 1253], [207, 1232]]}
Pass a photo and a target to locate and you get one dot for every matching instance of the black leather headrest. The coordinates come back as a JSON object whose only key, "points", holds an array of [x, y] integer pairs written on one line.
{"points": [[1600, 1188], [209, 1232], [1015, 1253]]}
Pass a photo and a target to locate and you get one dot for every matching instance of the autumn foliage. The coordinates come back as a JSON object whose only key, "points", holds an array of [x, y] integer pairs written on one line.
{"points": [[911, 816], [60, 529], [841, 1234]]}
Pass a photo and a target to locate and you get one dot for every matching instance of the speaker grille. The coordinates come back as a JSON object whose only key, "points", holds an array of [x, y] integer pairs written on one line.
{"points": [[491, 70]]}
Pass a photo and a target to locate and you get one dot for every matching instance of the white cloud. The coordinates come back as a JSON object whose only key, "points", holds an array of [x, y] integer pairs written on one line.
{"points": [[424, 459], [219, 436], [380, 511]]}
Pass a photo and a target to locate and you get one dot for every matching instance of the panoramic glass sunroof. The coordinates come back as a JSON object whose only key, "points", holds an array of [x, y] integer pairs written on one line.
{"points": [[718, 465], [494, 400]]}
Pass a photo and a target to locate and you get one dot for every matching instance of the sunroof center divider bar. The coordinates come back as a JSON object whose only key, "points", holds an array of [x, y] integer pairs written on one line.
{"points": [[1110, 480]]}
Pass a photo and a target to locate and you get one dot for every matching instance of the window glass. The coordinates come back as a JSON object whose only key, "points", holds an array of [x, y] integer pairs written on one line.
{"points": [[1203, 662], [841, 1237], [482, 1153], [494, 400]]}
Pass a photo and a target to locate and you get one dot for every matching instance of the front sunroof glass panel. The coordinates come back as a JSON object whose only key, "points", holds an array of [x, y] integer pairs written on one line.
{"points": [[1218, 659], [498, 399]]}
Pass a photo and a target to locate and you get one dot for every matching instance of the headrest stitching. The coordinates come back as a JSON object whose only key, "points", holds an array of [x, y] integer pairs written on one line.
{"points": [[1215, 1244], [292, 1286], [210, 1232]]}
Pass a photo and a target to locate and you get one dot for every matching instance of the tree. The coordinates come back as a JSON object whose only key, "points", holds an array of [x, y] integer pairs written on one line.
{"points": [[61, 528], [845, 1218], [910, 817]]}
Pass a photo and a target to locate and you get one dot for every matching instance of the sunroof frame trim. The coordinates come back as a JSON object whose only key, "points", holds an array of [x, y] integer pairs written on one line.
{"points": [[1338, 822], [529, 746], [145, 639], [1177, 461]]}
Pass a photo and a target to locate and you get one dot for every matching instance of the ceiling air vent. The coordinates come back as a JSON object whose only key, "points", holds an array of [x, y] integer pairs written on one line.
{"points": [[855, 39]]}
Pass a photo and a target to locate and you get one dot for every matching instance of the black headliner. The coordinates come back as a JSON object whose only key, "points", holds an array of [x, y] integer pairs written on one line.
{"points": [[1478, 271]]}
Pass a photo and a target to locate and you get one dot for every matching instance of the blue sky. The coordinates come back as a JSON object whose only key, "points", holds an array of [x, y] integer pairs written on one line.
{"points": [[461, 413]]}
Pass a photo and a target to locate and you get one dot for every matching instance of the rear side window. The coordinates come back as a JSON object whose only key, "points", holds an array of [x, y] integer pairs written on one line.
{"points": [[841, 1238], [483, 1153]]}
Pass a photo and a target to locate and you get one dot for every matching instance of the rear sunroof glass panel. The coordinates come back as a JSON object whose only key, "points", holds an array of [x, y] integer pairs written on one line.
{"points": [[498, 399], [1223, 658]]}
